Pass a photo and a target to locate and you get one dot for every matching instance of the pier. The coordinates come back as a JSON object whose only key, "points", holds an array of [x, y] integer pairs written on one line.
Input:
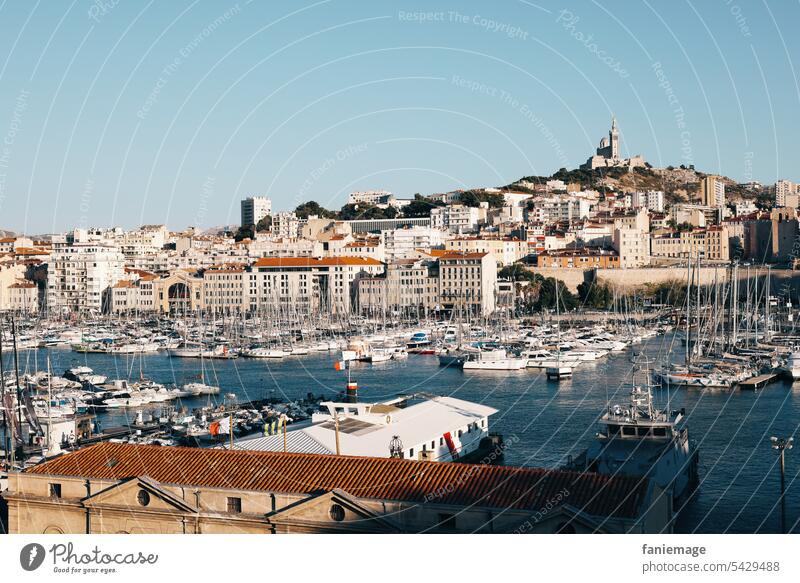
{"points": [[760, 381]]}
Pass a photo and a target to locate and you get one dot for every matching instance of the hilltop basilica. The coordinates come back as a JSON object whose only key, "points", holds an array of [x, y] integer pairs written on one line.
{"points": [[607, 155]]}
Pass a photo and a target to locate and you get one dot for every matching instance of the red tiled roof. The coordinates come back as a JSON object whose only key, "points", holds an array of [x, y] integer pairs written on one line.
{"points": [[377, 478], [314, 262]]}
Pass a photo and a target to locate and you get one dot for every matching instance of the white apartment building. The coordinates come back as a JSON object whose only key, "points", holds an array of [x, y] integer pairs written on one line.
{"points": [[506, 250], [652, 200], [633, 247], [401, 243], [375, 197], [561, 208], [783, 190], [458, 218], [254, 209], [83, 267], [308, 284], [286, 225], [467, 281]]}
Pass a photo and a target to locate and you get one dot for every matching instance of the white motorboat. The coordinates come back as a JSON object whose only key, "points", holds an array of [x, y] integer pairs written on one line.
{"points": [[792, 366], [200, 389], [497, 359], [263, 352]]}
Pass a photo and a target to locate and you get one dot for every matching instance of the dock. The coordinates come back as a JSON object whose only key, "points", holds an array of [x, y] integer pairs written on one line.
{"points": [[760, 381]]}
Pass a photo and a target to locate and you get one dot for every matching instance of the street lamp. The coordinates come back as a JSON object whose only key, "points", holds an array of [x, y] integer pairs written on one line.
{"points": [[782, 444]]}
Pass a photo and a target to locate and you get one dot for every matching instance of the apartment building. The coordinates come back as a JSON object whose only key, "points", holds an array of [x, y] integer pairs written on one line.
{"points": [[458, 218], [633, 247], [467, 282], [255, 208], [407, 284], [712, 191], [711, 243], [82, 269], [225, 289], [582, 258], [401, 243], [506, 250], [286, 225], [651, 200], [308, 284]]}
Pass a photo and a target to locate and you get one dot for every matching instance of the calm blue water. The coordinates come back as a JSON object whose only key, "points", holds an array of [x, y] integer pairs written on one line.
{"points": [[548, 421]]}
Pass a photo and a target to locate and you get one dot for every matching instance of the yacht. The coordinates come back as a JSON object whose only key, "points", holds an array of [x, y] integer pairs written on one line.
{"points": [[264, 352], [792, 367], [496, 359]]}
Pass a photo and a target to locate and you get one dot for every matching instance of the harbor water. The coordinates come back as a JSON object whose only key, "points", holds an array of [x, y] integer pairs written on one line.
{"points": [[542, 422]]}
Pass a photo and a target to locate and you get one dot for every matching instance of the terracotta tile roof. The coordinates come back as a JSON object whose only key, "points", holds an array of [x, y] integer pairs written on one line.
{"points": [[377, 478], [315, 262]]}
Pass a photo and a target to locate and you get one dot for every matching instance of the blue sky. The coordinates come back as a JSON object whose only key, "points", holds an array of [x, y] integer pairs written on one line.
{"points": [[115, 112]]}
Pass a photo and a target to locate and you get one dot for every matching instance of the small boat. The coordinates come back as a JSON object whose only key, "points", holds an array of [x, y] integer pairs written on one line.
{"points": [[496, 359]]}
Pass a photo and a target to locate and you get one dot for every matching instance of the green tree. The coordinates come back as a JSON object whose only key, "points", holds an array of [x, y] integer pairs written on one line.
{"points": [[264, 224], [312, 207]]}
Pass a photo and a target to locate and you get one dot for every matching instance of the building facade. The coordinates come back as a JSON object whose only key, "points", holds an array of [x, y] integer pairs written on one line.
{"points": [[125, 488], [81, 272], [254, 209]]}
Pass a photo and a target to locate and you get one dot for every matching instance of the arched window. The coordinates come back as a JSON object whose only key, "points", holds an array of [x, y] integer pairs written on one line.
{"points": [[52, 530]]}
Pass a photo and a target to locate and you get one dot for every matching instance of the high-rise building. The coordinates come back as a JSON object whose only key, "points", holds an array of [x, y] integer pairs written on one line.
{"points": [[712, 191], [254, 209], [83, 267], [783, 189]]}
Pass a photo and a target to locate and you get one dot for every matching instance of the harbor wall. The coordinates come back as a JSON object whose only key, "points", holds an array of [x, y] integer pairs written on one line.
{"points": [[630, 279]]}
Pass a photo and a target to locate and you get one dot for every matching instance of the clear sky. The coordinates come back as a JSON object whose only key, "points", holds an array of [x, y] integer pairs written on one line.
{"points": [[122, 112]]}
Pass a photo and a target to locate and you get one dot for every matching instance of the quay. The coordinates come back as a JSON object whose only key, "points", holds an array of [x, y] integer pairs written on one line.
{"points": [[760, 381]]}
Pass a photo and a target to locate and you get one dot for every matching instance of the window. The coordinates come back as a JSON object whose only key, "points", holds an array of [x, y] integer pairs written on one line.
{"points": [[55, 490], [234, 505], [411, 453], [143, 497], [336, 512]]}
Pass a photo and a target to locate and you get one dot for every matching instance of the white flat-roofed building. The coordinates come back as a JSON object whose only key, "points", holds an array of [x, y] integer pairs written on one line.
{"points": [[83, 267], [286, 224], [400, 243], [652, 200], [254, 209], [308, 284], [435, 429], [458, 218]]}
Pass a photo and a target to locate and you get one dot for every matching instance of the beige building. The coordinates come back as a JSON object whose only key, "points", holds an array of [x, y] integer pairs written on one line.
{"points": [[633, 247], [467, 281], [225, 289], [711, 243], [712, 191], [407, 284], [124, 488], [506, 250], [178, 293]]}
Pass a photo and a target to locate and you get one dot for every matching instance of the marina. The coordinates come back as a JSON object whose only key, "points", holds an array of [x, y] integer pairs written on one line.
{"points": [[542, 423]]}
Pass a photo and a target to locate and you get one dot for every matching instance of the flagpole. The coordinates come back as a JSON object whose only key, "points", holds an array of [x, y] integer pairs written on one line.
{"points": [[230, 429], [283, 422], [3, 398]]}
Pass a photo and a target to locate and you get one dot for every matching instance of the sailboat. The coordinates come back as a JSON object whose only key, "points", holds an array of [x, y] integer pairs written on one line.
{"points": [[558, 370]]}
